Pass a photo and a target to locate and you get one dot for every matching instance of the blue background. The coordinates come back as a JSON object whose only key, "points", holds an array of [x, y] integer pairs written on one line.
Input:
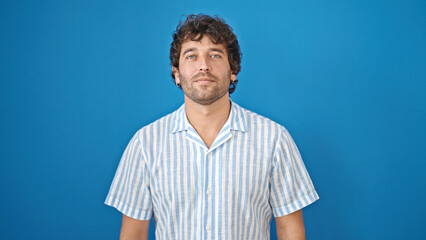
{"points": [[347, 79]]}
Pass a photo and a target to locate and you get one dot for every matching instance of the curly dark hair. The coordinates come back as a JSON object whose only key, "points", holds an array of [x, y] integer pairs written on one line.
{"points": [[194, 27]]}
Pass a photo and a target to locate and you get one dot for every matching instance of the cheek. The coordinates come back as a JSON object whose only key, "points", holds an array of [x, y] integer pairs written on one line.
{"points": [[185, 70]]}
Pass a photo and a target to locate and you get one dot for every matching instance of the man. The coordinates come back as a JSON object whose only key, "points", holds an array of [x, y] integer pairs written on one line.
{"points": [[211, 169]]}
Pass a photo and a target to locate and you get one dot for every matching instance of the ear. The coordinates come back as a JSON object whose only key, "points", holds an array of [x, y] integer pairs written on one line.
{"points": [[233, 76], [175, 71]]}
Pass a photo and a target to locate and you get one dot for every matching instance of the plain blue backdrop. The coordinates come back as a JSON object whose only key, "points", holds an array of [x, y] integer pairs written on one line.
{"points": [[346, 78]]}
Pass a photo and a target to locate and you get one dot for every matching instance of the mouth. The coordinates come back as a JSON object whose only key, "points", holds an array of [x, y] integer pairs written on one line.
{"points": [[204, 80]]}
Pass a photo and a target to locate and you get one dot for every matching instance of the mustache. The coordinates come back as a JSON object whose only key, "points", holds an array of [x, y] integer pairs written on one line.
{"points": [[203, 75]]}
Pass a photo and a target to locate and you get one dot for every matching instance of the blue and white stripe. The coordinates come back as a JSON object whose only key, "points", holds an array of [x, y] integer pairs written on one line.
{"points": [[251, 172]]}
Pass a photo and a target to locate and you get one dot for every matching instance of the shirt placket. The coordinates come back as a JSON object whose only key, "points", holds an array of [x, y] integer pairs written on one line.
{"points": [[205, 163], [207, 197]]}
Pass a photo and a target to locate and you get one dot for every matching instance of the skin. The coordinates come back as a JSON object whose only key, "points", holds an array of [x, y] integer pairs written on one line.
{"points": [[290, 226], [133, 229], [205, 75]]}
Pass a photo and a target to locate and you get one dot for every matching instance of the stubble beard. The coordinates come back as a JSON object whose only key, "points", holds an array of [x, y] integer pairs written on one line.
{"points": [[205, 94]]}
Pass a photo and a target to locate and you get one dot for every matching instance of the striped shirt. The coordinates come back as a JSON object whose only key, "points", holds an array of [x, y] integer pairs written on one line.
{"points": [[251, 172]]}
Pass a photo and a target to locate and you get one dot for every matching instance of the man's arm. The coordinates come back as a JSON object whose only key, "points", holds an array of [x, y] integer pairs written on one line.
{"points": [[290, 227], [133, 229]]}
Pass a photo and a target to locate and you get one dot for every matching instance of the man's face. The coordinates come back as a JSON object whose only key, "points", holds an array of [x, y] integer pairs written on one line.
{"points": [[204, 71]]}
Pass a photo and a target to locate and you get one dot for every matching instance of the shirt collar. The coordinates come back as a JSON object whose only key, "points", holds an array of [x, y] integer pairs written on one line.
{"points": [[236, 120]]}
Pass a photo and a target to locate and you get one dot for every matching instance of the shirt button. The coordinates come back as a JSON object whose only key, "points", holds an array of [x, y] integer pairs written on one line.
{"points": [[208, 227]]}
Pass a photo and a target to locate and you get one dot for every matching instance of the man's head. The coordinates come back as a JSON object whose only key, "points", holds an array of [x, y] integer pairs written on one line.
{"points": [[195, 28]]}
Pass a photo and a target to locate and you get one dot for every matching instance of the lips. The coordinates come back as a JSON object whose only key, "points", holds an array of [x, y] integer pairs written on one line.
{"points": [[204, 78], [201, 80]]}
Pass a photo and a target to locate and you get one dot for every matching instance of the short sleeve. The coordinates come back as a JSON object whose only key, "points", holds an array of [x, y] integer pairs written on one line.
{"points": [[291, 187], [130, 190]]}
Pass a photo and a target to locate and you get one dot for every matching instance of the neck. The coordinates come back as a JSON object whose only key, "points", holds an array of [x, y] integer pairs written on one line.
{"points": [[208, 120]]}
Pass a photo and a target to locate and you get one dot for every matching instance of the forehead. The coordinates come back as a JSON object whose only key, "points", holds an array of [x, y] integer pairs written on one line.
{"points": [[205, 44]]}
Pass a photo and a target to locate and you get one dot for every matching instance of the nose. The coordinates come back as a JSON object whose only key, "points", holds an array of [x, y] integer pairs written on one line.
{"points": [[204, 64]]}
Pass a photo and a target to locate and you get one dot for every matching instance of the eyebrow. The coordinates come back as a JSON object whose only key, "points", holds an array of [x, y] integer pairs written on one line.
{"points": [[216, 50], [210, 49], [188, 50]]}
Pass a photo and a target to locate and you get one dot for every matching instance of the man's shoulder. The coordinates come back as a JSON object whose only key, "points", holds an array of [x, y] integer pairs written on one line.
{"points": [[260, 125], [162, 124], [254, 119]]}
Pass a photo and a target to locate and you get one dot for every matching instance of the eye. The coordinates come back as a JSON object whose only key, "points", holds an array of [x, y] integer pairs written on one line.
{"points": [[190, 57], [216, 56]]}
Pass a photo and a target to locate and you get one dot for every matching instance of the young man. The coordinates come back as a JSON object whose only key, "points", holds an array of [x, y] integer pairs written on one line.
{"points": [[211, 169]]}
